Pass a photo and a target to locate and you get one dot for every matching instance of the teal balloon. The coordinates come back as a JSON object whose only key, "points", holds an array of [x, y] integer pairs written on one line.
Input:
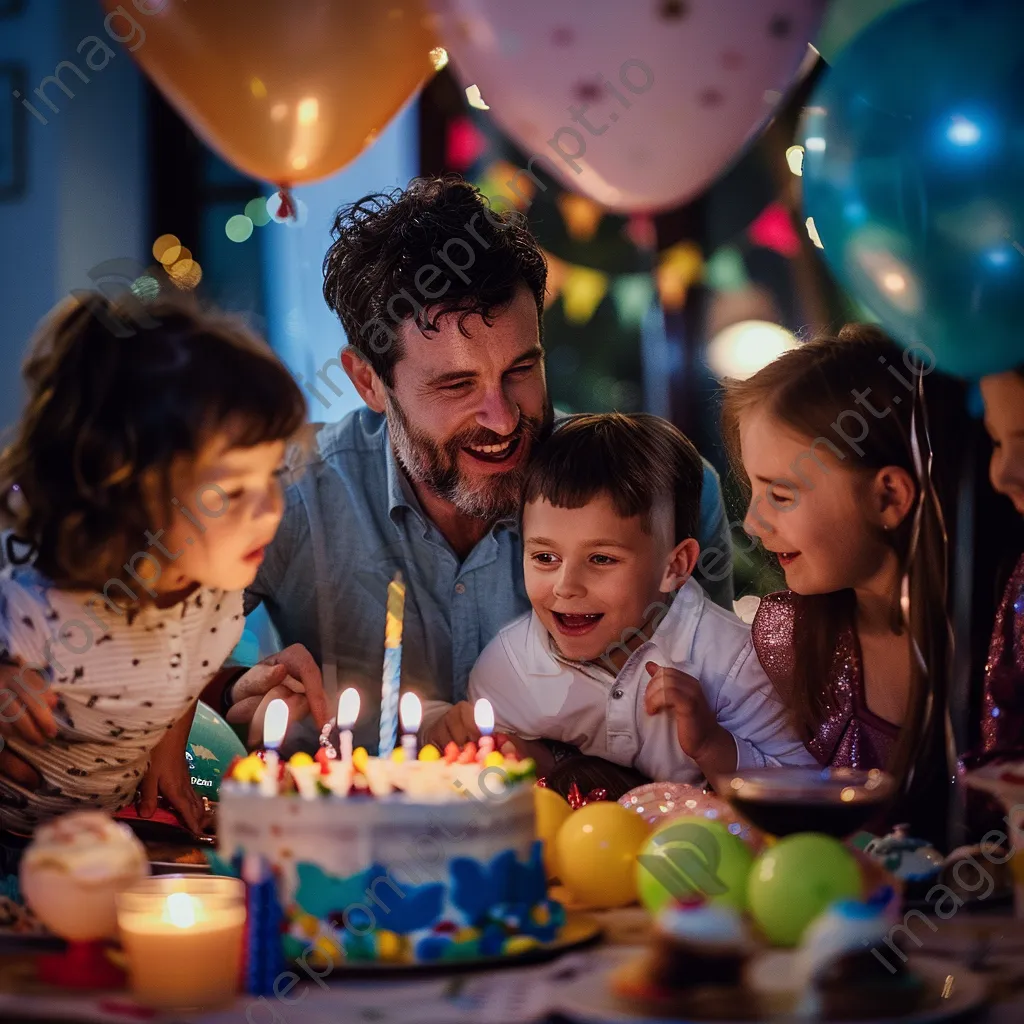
{"points": [[845, 19], [914, 176], [212, 746]]}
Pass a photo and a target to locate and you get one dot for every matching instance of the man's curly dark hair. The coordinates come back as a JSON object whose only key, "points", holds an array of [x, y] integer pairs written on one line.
{"points": [[431, 249]]}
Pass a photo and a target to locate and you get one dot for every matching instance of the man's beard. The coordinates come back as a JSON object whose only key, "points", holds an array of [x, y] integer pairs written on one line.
{"points": [[436, 466]]}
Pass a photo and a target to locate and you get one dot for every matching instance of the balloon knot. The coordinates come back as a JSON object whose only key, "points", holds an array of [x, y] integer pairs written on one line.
{"points": [[286, 211]]}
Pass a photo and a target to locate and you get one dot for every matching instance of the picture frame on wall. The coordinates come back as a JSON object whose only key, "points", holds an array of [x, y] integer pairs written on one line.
{"points": [[12, 131]]}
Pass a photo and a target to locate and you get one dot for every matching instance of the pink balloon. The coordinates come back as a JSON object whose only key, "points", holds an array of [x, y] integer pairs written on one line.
{"points": [[659, 802], [639, 106]]}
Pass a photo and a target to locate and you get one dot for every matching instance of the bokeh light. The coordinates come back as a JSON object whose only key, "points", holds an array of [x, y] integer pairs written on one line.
{"points": [[741, 349], [186, 274], [145, 287], [238, 228], [795, 159], [166, 249], [438, 58], [256, 211]]}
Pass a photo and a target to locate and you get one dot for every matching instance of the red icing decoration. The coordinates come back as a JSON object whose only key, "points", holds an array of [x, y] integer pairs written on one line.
{"points": [[468, 755], [543, 783], [691, 902], [577, 800], [82, 965], [451, 752], [445, 928]]}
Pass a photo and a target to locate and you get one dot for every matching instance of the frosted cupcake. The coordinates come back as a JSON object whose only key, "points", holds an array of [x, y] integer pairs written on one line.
{"points": [[696, 962], [849, 972], [72, 869]]}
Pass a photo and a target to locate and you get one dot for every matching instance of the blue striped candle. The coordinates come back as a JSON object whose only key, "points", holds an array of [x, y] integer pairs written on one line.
{"points": [[392, 679]]}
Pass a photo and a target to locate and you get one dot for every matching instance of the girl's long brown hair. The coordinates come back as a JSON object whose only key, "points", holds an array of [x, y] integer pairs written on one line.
{"points": [[808, 390]]}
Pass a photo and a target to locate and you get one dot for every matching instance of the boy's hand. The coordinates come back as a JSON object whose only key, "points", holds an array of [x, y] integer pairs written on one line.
{"points": [[27, 705], [697, 729], [457, 725], [168, 776]]}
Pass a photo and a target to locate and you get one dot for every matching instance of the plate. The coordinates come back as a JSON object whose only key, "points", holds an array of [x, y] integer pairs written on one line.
{"points": [[592, 1002], [578, 932]]}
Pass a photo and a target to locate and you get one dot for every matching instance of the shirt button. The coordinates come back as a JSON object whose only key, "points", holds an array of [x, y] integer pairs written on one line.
{"points": [[617, 694], [460, 588]]}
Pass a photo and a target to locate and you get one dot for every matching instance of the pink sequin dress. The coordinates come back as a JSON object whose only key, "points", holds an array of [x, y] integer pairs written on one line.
{"points": [[1002, 705], [850, 736]]}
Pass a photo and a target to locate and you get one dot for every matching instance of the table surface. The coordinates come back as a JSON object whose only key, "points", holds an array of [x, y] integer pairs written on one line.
{"points": [[520, 995]]}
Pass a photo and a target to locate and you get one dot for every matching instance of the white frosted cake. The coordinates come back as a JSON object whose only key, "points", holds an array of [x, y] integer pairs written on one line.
{"points": [[394, 861]]}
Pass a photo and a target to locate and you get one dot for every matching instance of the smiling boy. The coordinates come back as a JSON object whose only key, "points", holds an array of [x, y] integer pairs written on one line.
{"points": [[623, 655]]}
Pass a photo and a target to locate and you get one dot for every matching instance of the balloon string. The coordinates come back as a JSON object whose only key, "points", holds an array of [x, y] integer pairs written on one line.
{"points": [[286, 211], [923, 466]]}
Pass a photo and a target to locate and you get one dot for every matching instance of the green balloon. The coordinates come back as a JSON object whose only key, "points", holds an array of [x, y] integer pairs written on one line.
{"points": [[692, 856], [846, 19], [793, 881], [212, 746]]}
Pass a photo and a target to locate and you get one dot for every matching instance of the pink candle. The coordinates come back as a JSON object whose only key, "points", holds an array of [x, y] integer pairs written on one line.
{"points": [[483, 715]]}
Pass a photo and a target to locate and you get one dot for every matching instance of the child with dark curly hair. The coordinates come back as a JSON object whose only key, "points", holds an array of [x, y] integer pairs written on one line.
{"points": [[142, 485]]}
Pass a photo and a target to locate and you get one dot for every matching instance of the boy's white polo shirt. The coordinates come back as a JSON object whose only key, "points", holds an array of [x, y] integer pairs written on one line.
{"points": [[536, 693]]}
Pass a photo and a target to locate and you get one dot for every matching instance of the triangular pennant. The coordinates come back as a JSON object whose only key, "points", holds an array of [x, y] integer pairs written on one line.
{"points": [[632, 295], [582, 216], [679, 267], [557, 270], [726, 271], [582, 292]]}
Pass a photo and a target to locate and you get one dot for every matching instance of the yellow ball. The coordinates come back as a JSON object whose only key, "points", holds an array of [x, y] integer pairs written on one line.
{"points": [[550, 811], [494, 760], [300, 760], [398, 755], [429, 753], [359, 759], [596, 849]]}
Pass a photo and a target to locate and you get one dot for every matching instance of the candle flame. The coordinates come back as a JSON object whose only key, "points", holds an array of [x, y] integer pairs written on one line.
{"points": [[181, 911], [483, 715], [348, 708], [410, 712], [275, 724]]}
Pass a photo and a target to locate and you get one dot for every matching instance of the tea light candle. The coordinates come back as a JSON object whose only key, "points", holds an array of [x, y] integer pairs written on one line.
{"points": [[411, 714], [348, 713], [182, 938], [483, 715], [275, 725]]}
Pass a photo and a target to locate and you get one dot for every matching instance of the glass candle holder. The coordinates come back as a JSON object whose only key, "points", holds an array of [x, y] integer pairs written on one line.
{"points": [[182, 937]]}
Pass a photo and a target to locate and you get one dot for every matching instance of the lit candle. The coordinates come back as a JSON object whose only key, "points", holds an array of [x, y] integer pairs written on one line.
{"points": [[182, 938], [392, 678], [348, 713], [411, 714], [483, 715], [275, 725]]}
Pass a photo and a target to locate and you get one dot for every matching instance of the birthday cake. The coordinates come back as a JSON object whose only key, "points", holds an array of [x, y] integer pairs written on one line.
{"points": [[392, 860]]}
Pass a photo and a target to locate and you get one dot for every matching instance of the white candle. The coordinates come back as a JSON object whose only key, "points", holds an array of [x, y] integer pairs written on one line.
{"points": [[411, 713], [275, 725], [483, 715], [348, 713], [182, 938]]}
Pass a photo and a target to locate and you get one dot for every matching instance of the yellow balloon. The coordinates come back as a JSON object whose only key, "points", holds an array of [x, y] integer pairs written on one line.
{"points": [[596, 849], [550, 810], [287, 92]]}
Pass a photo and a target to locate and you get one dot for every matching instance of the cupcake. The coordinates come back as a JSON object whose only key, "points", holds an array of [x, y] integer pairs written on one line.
{"points": [[847, 971], [695, 965], [72, 869], [914, 862]]}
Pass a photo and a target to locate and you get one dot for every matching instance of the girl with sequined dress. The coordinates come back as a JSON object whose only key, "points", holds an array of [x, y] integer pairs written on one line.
{"points": [[1002, 722], [823, 435]]}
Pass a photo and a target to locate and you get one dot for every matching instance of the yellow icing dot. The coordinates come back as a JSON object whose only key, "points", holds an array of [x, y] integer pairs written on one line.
{"points": [[467, 934], [520, 944], [389, 946], [300, 760], [359, 759], [249, 769], [398, 755], [326, 952], [540, 915], [494, 760], [429, 753]]}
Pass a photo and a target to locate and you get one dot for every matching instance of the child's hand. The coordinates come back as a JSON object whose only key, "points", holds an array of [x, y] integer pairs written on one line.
{"points": [[697, 729], [168, 776], [457, 725]]}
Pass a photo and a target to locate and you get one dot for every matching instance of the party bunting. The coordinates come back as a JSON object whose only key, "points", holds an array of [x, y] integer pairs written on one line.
{"points": [[503, 181], [726, 271], [582, 292], [557, 271], [773, 229], [632, 295], [679, 267], [582, 216]]}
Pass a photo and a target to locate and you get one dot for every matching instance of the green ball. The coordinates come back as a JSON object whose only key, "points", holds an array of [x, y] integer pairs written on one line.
{"points": [[692, 856], [793, 881], [212, 746]]}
